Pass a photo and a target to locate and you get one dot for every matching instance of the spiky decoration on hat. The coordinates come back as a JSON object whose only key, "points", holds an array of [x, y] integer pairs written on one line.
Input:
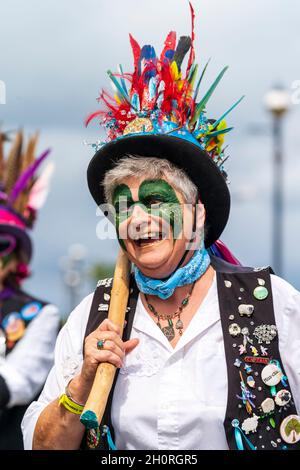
{"points": [[20, 189], [22, 192], [162, 98]]}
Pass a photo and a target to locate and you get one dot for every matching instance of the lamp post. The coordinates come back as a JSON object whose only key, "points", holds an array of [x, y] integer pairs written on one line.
{"points": [[72, 266], [277, 102]]}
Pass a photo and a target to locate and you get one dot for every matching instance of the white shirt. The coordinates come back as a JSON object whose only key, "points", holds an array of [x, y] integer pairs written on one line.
{"points": [[169, 398], [27, 366]]}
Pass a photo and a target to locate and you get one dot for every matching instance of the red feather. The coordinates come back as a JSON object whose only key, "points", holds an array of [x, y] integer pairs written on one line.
{"points": [[192, 51], [136, 51], [170, 43]]}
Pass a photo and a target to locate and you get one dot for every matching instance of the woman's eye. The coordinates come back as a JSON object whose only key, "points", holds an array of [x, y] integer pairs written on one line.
{"points": [[156, 205]]}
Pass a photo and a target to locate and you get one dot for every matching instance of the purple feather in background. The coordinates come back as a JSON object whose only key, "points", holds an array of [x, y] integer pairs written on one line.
{"points": [[25, 177]]}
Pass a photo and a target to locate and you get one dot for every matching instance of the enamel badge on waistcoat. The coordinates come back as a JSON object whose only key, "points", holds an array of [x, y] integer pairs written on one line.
{"points": [[260, 413], [16, 313]]}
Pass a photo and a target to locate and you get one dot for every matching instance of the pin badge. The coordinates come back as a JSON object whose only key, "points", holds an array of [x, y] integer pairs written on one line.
{"points": [[248, 369], [268, 406], [30, 310], [250, 381], [260, 293], [256, 360], [250, 424], [234, 329], [283, 397], [271, 375], [264, 351], [290, 429], [265, 333], [254, 351], [246, 310], [237, 363]]}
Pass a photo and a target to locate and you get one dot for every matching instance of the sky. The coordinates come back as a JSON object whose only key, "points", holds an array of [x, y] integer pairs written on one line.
{"points": [[53, 60]]}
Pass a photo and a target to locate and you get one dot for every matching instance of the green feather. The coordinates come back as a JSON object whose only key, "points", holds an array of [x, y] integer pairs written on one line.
{"points": [[215, 124], [123, 81], [192, 76], [200, 80], [201, 106], [118, 86], [222, 131]]}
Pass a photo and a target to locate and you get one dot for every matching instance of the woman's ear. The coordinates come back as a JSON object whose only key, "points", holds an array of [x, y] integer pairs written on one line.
{"points": [[199, 217]]}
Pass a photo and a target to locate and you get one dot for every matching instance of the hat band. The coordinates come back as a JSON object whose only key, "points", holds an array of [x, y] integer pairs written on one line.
{"points": [[9, 218]]}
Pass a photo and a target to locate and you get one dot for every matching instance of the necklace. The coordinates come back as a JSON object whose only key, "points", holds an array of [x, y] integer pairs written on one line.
{"points": [[168, 330]]}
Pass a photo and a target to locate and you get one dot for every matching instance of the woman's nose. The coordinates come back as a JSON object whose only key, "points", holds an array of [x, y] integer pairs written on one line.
{"points": [[139, 218]]}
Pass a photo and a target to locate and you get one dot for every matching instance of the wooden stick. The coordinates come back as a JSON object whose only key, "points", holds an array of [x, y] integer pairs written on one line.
{"points": [[95, 406]]}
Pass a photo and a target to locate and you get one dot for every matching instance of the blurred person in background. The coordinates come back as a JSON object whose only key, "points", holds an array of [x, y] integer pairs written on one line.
{"points": [[28, 325]]}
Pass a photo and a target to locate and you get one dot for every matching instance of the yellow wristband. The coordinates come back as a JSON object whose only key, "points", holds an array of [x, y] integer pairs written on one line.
{"points": [[70, 405]]}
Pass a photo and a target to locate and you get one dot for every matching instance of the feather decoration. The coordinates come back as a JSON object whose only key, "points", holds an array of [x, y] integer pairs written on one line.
{"points": [[118, 87], [136, 51], [216, 123], [40, 189], [192, 50], [123, 81], [169, 47], [24, 179], [182, 49], [28, 158], [200, 80], [147, 58], [220, 132], [13, 163], [201, 106]]}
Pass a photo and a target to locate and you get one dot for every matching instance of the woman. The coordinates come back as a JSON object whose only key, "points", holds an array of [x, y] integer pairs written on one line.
{"points": [[28, 326], [162, 176]]}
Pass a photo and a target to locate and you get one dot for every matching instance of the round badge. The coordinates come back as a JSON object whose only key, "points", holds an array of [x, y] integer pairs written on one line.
{"points": [[283, 397], [290, 429], [234, 329], [260, 293], [271, 375], [29, 311], [14, 326]]}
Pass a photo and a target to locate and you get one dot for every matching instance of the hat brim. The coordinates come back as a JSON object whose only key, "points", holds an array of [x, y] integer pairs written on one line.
{"points": [[21, 236], [197, 164]]}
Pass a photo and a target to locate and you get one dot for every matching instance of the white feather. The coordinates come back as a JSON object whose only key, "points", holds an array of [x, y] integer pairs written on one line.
{"points": [[40, 189]]}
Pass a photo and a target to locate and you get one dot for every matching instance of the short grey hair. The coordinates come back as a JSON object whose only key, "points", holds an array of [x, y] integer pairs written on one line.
{"points": [[134, 166]]}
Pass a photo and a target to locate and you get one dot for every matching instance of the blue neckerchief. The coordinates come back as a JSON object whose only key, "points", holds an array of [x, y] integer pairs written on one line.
{"points": [[188, 274]]}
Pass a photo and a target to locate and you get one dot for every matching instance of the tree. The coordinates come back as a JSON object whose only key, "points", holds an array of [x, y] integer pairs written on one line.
{"points": [[293, 426]]}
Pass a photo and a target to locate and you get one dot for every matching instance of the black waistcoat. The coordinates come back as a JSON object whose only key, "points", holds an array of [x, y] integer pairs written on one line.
{"points": [[251, 349], [24, 306]]}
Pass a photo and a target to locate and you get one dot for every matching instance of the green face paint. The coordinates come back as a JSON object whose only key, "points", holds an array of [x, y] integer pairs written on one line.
{"points": [[156, 197], [161, 200]]}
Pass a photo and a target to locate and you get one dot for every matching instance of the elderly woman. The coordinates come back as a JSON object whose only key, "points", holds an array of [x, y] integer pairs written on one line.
{"points": [[199, 365]]}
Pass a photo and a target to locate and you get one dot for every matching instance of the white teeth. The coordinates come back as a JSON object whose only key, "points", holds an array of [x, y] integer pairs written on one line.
{"points": [[152, 235]]}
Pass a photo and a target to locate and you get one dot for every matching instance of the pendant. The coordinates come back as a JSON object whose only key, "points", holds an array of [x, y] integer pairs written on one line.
{"points": [[169, 332], [179, 326]]}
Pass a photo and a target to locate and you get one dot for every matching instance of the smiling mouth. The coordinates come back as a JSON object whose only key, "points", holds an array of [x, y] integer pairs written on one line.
{"points": [[149, 239]]}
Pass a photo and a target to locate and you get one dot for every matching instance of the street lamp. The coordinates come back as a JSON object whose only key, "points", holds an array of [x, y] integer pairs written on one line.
{"points": [[72, 266], [277, 102]]}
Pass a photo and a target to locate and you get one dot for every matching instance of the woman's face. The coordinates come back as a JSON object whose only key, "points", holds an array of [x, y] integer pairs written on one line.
{"points": [[153, 224]]}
